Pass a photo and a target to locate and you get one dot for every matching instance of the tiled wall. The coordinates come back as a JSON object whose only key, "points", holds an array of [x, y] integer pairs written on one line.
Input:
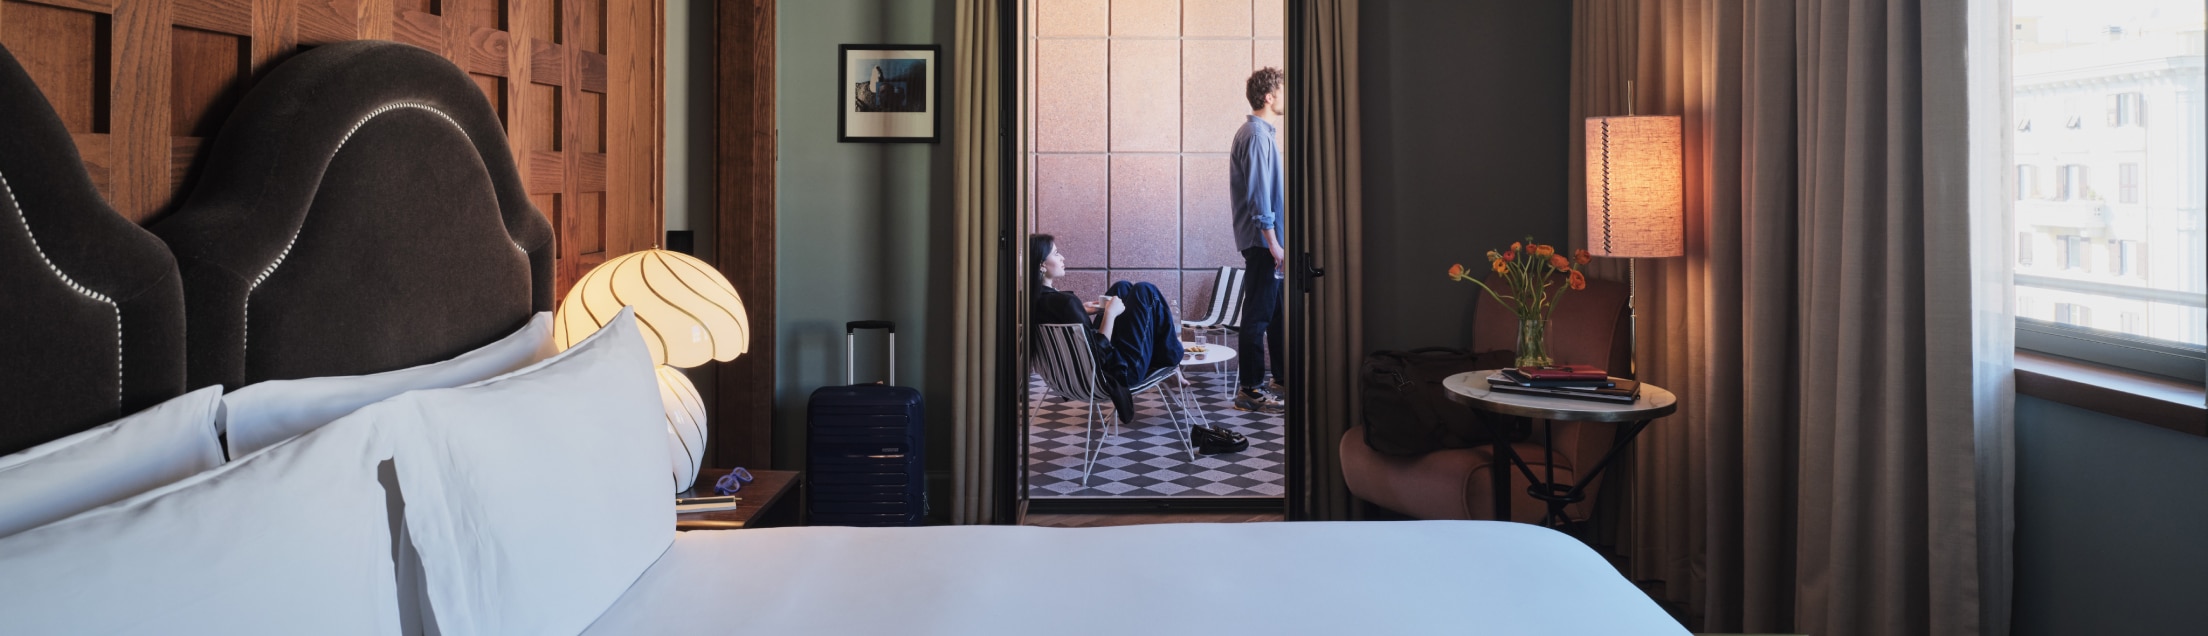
{"points": [[1133, 107]]}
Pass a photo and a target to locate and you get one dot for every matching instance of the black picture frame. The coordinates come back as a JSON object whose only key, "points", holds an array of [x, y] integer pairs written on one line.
{"points": [[905, 105]]}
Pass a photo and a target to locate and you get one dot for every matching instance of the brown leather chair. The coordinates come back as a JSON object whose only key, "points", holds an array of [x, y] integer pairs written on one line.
{"points": [[1590, 326]]}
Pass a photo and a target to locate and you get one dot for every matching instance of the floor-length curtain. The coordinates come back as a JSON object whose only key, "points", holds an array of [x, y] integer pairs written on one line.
{"points": [[977, 202], [1326, 153], [1838, 463]]}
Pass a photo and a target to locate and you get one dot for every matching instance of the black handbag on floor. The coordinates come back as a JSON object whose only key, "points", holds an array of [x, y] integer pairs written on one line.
{"points": [[1406, 411]]}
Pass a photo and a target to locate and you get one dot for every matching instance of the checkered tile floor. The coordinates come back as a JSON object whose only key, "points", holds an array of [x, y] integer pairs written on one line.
{"points": [[1147, 460]]}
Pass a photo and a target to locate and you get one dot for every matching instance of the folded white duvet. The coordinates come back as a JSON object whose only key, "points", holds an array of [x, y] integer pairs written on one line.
{"points": [[1420, 577]]}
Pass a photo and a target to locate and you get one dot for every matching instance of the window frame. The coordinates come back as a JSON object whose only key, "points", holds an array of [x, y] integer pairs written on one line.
{"points": [[2127, 182]]}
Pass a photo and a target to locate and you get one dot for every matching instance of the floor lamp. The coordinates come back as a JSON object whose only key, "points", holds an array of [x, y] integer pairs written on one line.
{"points": [[1635, 203]]}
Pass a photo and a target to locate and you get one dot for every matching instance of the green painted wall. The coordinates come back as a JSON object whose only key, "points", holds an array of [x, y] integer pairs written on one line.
{"points": [[863, 230], [2111, 524]]}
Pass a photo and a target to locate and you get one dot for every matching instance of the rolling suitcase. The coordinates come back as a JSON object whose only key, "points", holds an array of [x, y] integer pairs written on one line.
{"points": [[863, 447]]}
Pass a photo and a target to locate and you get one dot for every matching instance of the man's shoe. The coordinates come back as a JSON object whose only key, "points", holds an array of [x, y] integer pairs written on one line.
{"points": [[1256, 400], [1213, 441], [1274, 387]]}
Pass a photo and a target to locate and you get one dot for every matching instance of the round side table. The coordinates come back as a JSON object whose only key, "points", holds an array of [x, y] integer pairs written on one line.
{"points": [[1213, 354], [1471, 389]]}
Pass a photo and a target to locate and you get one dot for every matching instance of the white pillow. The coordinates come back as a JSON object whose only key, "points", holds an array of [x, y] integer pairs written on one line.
{"points": [[269, 412], [536, 498], [110, 462], [293, 540]]}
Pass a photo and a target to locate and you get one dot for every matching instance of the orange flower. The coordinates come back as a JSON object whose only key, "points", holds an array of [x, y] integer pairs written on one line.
{"points": [[1492, 255], [1580, 256], [1544, 251], [1578, 281], [1514, 246], [1559, 262], [1502, 267], [1456, 271]]}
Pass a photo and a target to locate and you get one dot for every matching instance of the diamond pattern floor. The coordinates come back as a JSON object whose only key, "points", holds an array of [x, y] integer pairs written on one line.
{"points": [[1147, 459]]}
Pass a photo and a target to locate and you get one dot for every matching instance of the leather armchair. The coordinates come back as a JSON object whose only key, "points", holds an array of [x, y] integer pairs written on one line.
{"points": [[1590, 326]]}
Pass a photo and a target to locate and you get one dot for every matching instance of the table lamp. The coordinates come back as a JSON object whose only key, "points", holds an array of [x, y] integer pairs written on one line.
{"points": [[689, 314], [1635, 200]]}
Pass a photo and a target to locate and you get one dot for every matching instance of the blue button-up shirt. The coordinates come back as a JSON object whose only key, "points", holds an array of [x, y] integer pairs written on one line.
{"points": [[1257, 187]]}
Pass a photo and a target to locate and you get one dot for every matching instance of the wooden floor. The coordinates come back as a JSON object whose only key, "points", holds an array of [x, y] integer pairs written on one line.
{"points": [[1103, 520]]}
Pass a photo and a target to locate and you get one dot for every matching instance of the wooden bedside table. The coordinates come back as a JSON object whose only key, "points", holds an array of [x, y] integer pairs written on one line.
{"points": [[760, 504]]}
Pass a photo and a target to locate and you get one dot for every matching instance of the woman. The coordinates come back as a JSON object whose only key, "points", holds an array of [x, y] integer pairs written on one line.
{"points": [[1132, 333]]}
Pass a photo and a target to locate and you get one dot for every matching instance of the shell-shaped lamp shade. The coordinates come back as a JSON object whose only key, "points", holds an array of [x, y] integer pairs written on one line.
{"points": [[685, 425], [688, 312]]}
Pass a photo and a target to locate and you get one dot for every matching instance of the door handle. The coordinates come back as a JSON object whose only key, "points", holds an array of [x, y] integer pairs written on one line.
{"points": [[1311, 272]]}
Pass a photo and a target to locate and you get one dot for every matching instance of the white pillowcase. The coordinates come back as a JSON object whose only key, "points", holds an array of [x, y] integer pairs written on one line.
{"points": [[536, 498], [293, 540], [110, 462], [263, 414]]}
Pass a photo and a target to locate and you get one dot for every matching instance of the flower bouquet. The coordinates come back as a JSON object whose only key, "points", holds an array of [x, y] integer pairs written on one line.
{"points": [[1529, 273]]}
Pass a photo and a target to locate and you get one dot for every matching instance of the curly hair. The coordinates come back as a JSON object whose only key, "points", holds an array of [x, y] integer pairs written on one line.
{"points": [[1262, 83]]}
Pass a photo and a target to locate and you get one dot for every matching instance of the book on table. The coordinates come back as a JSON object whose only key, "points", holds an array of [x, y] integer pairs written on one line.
{"points": [[1521, 377], [1619, 391], [704, 504]]}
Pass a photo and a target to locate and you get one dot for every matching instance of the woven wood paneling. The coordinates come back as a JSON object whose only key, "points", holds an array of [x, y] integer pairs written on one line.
{"points": [[143, 84]]}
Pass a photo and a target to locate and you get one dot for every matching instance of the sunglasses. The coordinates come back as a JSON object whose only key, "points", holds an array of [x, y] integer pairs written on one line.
{"points": [[732, 482]]}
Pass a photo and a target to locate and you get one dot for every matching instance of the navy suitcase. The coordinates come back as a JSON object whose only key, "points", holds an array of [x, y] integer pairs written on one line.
{"points": [[863, 446]]}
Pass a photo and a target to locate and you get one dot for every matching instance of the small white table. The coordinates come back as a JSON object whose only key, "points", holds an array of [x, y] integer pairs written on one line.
{"points": [[1471, 389], [1213, 354]]}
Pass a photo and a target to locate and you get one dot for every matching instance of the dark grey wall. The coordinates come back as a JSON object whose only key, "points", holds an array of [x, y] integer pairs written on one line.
{"points": [[2111, 524], [863, 231], [1465, 133]]}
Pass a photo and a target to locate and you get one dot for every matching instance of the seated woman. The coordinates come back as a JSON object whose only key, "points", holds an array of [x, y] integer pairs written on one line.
{"points": [[1132, 333]]}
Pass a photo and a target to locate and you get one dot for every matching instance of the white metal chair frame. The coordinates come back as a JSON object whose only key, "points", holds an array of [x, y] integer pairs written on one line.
{"points": [[1069, 368], [1224, 317]]}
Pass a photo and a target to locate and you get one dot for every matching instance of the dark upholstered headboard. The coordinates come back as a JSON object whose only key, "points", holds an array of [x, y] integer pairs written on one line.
{"points": [[359, 212], [91, 311]]}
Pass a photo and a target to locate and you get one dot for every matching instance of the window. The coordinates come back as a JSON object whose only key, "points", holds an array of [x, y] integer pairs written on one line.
{"points": [[2140, 265], [2124, 110], [2127, 183], [2074, 314], [2069, 182], [2072, 254]]}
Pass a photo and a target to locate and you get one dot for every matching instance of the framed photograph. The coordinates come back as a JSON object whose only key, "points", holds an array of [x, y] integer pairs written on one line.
{"points": [[888, 93]]}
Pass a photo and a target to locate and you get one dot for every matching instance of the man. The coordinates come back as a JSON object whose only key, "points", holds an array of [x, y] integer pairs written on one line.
{"points": [[1259, 192]]}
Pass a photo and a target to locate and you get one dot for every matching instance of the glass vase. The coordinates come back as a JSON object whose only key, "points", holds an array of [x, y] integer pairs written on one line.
{"points": [[1533, 342]]}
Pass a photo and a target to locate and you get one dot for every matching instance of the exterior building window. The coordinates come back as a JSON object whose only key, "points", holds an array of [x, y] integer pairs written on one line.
{"points": [[2027, 180], [2074, 122], [2124, 109], [2127, 183], [2071, 314], [2023, 249], [2073, 252], [2134, 323], [2070, 182], [2124, 259]]}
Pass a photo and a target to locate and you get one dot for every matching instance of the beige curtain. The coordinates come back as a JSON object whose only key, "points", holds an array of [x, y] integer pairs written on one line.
{"points": [[1328, 156], [977, 201], [1838, 465]]}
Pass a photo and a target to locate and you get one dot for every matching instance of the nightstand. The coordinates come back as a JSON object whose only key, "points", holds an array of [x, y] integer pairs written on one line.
{"points": [[761, 504]]}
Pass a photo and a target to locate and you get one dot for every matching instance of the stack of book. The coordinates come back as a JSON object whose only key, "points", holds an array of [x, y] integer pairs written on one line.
{"points": [[1574, 381]]}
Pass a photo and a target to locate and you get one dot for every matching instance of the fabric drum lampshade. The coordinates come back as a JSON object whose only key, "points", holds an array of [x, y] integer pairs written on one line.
{"points": [[689, 315], [1635, 203]]}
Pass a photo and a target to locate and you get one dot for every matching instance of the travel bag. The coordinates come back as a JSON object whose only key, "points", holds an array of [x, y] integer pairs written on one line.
{"points": [[1406, 410], [863, 447]]}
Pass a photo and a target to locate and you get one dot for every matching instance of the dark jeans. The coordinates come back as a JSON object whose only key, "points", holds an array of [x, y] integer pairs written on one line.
{"points": [[1261, 309], [1145, 338]]}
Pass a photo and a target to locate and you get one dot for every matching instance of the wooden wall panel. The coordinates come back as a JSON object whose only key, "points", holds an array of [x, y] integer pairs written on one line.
{"points": [[144, 84]]}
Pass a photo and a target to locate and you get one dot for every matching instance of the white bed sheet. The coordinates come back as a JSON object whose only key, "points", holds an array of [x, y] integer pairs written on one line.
{"points": [[1414, 577]]}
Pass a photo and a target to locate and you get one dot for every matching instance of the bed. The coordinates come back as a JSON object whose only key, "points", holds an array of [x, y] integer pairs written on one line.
{"points": [[360, 221]]}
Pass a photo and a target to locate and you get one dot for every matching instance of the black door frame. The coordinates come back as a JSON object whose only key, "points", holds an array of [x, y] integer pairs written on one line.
{"points": [[1011, 409]]}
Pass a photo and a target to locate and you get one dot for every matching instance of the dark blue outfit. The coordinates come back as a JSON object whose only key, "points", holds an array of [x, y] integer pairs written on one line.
{"points": [[1258, 191], [1145, 338]]}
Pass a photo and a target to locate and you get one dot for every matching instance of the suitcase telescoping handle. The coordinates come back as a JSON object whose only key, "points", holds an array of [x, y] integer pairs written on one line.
{"points": [[850, 347]]}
